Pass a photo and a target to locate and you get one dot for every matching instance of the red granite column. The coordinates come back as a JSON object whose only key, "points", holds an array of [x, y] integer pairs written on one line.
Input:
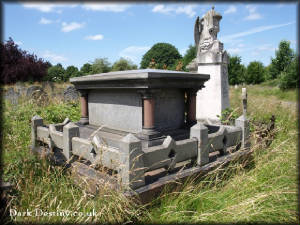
{"points": [[148, 116], [148, 113], [84, 119], [191, 112]]}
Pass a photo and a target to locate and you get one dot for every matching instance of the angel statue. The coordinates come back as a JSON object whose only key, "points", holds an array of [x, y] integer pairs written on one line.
{"points": [[205, 35]]}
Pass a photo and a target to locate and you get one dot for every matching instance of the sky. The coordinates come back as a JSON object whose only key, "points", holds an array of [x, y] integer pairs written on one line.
{"points": [[76, 33]]}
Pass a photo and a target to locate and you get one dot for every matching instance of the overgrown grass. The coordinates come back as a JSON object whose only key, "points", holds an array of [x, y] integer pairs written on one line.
{"points": [[264, 190], [40, 186]]}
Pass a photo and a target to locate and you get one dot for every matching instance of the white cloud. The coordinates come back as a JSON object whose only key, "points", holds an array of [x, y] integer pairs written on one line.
{"points": [[94, 37], [106, 7], [134, 53], [253, 14], [67, 27], [231, 9], [229, 38], [40, 6], [46, 7], [233, 51], [189, 10], [54, 58], [45, 21]]}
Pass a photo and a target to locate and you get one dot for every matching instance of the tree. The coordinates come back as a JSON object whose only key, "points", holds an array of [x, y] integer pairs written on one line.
{"points": [[236, 70], [86, 69], [189, 55], [18, 65], [290, 77], [71, 71], [283, 57], [123, 64], [56, 73], [101, 65], [255, 73], [162, 54]]}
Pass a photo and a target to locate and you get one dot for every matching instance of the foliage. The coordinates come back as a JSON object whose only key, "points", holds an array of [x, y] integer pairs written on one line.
{"points": [[261, 190], [123, 64], [86, 69], [228, 116], [236, 70], [189, 55], [71, 71], [255, 73], [283, 57], [162, 54], [101, 65], [56, 73], [290, 77], [18, 65]]}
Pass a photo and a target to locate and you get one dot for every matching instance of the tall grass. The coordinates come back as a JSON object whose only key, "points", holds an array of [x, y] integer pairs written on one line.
{"points": [[263, 189], [42, 187]]}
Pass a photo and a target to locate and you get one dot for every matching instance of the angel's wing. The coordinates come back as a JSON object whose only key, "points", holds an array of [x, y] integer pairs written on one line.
{"points": [[197, 33]]}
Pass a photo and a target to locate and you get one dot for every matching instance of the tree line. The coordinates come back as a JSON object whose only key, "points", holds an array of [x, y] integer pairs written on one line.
{"points": [[18, 65]]}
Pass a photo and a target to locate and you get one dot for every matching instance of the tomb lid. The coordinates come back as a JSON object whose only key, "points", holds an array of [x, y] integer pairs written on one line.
{"points": [[144, 78]]}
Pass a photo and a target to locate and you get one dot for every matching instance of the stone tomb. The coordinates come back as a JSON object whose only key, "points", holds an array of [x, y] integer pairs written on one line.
{"points": [[141, 126]]}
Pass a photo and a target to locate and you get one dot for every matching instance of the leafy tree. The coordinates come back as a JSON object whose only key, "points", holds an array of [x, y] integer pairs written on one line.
{"points": [[123, 64], [290, 77], [161, 53], [86, 69], [101, 65], [71, 71], [18, 65], [189, 55], [284, 56], [236, 70], [56, 73], [255, 73]]}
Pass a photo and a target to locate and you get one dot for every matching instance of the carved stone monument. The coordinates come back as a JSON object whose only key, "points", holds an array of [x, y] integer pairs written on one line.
{"points": [[211, 59]]}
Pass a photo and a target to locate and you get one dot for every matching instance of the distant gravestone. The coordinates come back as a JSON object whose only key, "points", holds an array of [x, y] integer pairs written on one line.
{"points": [[33, 89], [48, 86], [71, 94], [12, 96]]}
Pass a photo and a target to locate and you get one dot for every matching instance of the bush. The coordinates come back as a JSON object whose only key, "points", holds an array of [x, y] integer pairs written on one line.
{"points": [[165, 56], [284, 56], [123, 64], [101, 65], [56, 73], [18, 65], [236, 70], [255, 73], [189, 56], [86, 69], [290, 78]]}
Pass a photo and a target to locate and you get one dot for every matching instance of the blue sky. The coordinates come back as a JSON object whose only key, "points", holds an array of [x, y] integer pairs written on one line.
{"points": [[73, 34]]}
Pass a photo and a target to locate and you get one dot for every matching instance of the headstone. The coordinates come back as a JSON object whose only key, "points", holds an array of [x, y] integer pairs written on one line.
{"points": [[33, 89], [213, 60], [12, 96], [71, 94]]}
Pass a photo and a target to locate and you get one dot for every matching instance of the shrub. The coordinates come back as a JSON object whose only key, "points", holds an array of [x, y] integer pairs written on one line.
{"points": [[162, 54]]}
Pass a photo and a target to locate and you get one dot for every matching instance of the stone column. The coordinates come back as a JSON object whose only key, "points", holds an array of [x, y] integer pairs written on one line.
{"points": [[84, 119], [148, 116], [191, 103]]}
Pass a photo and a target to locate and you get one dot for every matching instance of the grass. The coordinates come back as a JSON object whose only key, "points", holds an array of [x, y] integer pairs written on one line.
{"points": [[263, 190]]}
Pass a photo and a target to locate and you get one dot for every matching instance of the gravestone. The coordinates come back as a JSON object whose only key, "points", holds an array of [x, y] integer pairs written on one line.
{"points": [[71, 94], [213, 60]]}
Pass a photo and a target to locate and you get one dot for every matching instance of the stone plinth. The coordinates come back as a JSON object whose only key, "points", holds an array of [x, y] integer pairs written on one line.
{"points": [[213, 99]]}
